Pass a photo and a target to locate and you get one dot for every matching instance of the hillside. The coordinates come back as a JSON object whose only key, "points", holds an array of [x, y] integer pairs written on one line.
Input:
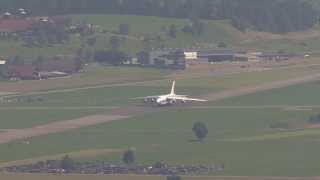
{"points": [[278, 16], [156, 30]]}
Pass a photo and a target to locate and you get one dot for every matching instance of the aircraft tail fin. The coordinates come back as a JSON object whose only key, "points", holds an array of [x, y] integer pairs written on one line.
{"points": [[173, 88]]}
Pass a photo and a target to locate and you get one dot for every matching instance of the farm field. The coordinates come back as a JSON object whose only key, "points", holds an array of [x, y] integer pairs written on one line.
{"points": [[163, 136], [217, 31], [24, 118], [118, 91], [141, 26], [298, 95], [263, 117], [240, 128]]}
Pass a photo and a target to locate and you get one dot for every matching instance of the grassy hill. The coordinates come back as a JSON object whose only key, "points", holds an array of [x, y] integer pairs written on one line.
{"points": [[156, 28]]}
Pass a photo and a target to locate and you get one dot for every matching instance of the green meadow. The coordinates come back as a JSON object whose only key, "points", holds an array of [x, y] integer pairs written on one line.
{"points": [[234, 139], [147, 26]]}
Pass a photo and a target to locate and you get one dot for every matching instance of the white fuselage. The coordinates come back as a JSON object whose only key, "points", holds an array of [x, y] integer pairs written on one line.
{"points": [[167, 99], [171, 98]]}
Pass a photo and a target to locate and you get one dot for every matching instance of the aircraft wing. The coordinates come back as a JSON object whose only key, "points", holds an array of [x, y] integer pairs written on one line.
{"points": [[189, 99], [146, 97]]}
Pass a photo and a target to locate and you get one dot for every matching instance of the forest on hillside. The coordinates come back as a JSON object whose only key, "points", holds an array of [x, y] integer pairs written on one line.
{"points": [[279, 16]]}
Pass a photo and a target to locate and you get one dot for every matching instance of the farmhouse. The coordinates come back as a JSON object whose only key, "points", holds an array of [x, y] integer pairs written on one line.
{"points": [[25, 72], [14, 25], [2, 62], [168, 58], [65, 64]]}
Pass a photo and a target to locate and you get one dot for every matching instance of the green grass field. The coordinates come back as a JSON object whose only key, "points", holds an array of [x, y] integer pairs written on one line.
{"points": [[241, 138], [92, 76], [216, 31], [168, 137], [140, 26], [297, 95], [24, 118]]}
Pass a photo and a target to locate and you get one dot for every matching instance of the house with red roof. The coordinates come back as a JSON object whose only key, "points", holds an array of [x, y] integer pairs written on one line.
{"points": [[25, 72], [14, 25]]}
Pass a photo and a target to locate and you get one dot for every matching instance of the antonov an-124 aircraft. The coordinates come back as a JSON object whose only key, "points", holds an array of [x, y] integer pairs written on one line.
{"points": [[169, 99]]}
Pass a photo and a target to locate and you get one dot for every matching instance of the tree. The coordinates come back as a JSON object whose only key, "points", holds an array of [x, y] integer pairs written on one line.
{"points": [[222, 45], [198, 26], [147, 42], [143, 57], [3, 71], [114, 42], [67, 163], [174, 177], [173, 31], [16, 60], [124, 29], [110, 57], [91, 41], [38, 62], [315, 119], [200, 130], [128, 156]]}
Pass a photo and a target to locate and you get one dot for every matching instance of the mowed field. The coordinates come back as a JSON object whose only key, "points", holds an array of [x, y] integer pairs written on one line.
{"points": [[240, 133], [86, 99], [240, 128], [93, 75], [140, 26]]}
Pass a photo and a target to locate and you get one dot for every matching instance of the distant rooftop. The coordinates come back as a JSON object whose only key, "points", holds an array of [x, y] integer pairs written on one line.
{"points": [[15, 25]]}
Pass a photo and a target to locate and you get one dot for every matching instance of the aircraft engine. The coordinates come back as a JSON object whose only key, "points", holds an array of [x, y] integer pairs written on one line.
{"points": [[172, 101]]}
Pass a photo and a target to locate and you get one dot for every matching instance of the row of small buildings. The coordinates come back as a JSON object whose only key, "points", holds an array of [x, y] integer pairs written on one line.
{"points": [[183, 57], [57, 66]]}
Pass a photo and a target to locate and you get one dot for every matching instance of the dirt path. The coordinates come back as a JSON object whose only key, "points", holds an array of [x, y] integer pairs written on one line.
{"points": [[56, 127], [264, 87], [62, 126]]}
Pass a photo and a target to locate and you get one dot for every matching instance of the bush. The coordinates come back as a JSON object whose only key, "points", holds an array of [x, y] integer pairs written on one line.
{"points": [[314, 119], [67, 163], [222, 45], [279, 125], [124, 29], [200, 130], [128, 157]]}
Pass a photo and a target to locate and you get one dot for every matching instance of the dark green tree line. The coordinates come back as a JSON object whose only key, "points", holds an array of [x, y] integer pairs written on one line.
{"points": [[264, 15]]}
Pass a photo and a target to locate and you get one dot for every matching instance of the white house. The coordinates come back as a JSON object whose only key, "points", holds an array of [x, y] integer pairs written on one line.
{"points": [[2, 62]]}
